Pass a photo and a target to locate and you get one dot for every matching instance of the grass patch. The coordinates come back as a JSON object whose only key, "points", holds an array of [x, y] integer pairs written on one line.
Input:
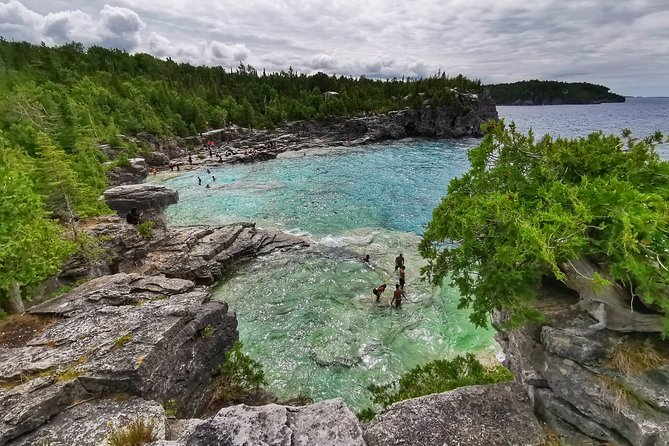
{"points": [[147, 229], [620, 396], [136, 433], [120, 342], [635, 356]]}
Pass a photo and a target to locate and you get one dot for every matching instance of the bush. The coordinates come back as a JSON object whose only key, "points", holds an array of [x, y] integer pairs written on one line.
{"points": [[146, 229], [239, 376], [435, 377]]}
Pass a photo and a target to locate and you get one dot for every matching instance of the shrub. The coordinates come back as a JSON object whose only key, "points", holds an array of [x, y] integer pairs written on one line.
{"points": [[171, 408], [146, 229], [120, 342], [239, 376], [137, 433], [435, 377], [207, 331]]}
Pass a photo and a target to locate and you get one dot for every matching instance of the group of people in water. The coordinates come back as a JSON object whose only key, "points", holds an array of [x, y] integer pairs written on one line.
{"points": [[398, 294]]}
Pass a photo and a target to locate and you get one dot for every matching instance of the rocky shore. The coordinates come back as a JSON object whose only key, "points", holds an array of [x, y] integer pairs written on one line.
{"points": [[462, 118]]}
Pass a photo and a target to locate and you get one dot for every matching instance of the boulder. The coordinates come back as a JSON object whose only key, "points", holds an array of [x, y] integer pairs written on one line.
{"points": [[151, 199], [156, 159], [135, 173], [141, 196], [490, 415], [90, 423], [150, 337], [327, 423]]}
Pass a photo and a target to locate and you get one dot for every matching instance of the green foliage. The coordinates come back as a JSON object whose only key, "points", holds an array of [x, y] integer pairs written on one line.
{"points": [[121, 341], [525, 207], [239, 376], [30, 244], [137, 433], [171, 408], [551, 92], [147, 229], [435, 377], [207, 331]]}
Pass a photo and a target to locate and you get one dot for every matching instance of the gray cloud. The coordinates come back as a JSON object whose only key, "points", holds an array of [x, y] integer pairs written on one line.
{"points": [[624, 45]]}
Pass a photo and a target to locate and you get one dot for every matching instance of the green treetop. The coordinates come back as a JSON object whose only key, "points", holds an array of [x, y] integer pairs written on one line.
{"points": [[526, 207], [31, 247]]}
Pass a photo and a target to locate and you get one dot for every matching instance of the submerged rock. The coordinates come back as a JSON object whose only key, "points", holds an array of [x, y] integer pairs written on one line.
{"points": [[489, 415]]}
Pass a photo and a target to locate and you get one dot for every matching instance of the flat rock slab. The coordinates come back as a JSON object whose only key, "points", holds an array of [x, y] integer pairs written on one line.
{"points": [[141, 196], [89, 423], [152, 337], [489, 415], [327, 423]]}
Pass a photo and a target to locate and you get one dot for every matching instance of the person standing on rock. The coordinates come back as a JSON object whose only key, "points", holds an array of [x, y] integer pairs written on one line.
{"points": [[398, 294], [190, 160], [399, 262], [378, 291]]}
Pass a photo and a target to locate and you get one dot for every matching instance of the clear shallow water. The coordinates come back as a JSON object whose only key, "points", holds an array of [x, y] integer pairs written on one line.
{"points": [[309, 317]]}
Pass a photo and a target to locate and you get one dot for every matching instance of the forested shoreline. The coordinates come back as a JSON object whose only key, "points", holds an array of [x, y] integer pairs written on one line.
{"points": [[536, 92]]}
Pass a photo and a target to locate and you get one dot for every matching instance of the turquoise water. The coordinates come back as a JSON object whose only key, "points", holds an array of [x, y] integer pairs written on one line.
{"points": [[309, 316]]}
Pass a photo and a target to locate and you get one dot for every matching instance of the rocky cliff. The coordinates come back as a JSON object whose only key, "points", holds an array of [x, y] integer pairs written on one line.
{"points": [[589, 382]]}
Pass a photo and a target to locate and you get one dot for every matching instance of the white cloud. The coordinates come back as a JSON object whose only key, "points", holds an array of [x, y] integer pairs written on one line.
{"points": [[624, 45]]}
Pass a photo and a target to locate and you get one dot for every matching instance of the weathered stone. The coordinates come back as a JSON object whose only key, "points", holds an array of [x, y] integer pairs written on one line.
{"points": [[89, 423], [135, 173], [489, 415], [125, 333], [610, 305], [585, 345], [156, 159], [327, 423]]}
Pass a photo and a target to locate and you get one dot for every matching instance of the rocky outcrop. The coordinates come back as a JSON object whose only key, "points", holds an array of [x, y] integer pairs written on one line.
{"points": [[151, 199], [199, 253], [461, 118], [572, 371], [327, 423], [135, 172], [490, 415], [156, 159], [90, 422], [147, 336]]}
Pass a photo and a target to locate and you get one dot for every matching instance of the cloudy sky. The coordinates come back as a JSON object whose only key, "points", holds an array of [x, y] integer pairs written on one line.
{"points": [[623, 44]]}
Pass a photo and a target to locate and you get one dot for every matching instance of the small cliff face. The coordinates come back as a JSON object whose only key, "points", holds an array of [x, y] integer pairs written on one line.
{"points": [[590, 382]]}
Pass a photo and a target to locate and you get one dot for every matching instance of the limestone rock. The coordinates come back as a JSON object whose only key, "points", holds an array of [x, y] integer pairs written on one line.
{"points": [[126, 333], [141, 196], [489, 415], [327, 423], [135, 173], [89, 423], [156, 159]]}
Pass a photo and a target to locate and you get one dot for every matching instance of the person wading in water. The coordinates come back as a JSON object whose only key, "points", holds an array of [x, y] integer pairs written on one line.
{"points": [[399, 262], [378, 291], [398, 294]]}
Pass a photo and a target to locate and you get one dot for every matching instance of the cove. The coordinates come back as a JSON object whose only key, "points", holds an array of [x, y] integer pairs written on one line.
{"points": [[309, 316]]}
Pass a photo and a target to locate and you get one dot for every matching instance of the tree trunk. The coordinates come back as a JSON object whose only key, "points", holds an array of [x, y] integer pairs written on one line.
{"points": [[611, 305], [15, 304]]}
